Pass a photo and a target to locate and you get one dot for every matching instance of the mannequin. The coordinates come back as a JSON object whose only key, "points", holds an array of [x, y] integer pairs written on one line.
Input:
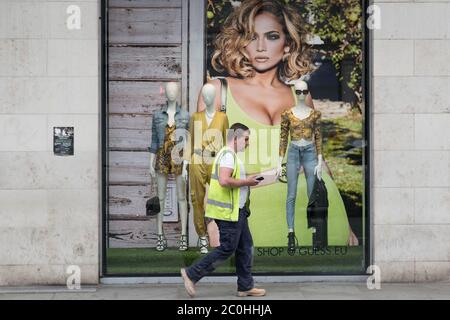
{"points": [[209, 96], [302, 123], [172, 115], [208, 131], [302, 111]]}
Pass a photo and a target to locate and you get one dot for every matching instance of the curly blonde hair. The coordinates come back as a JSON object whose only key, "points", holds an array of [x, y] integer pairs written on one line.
{"points": [[230, 54]]}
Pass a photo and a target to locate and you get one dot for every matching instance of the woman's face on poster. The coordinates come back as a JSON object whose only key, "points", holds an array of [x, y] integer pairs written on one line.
{"points": [[266, 49]]}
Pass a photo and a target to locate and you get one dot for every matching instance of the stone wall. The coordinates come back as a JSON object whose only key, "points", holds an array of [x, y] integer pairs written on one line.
{"points": [[411, 141], [50, 205]]}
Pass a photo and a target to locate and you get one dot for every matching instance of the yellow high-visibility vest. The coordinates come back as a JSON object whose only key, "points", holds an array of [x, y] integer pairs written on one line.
{"points": [[223, 202]]}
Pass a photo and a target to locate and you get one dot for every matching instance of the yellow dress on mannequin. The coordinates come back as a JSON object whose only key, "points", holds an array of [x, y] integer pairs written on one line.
{"points": [[205, 143]]}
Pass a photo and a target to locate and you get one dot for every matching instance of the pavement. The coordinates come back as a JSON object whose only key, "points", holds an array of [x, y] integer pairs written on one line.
{"points": [[227, 291]]}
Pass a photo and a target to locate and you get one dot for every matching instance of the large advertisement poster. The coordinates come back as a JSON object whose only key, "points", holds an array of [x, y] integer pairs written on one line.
{"points": [[292, 72]]}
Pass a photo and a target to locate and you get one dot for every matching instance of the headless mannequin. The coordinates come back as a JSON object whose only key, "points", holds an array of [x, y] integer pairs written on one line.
{"points": [[171, 90], [302, 111]]}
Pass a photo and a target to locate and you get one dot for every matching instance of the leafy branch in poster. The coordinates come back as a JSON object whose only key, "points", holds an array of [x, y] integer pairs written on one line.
{"points": [[339, 24]]}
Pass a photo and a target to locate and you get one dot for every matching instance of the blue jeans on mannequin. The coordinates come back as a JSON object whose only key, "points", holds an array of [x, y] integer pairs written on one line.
{"points": [[297, 157]]}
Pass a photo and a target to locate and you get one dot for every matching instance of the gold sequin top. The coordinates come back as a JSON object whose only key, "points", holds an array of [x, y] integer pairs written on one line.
{"points": [[308, 129]]}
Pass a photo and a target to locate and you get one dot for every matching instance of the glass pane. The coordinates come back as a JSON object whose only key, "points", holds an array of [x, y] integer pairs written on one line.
{"points": [[294, 74]]}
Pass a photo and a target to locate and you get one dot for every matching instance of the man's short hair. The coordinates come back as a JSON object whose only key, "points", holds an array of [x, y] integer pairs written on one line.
{"points": [[236, 131]]}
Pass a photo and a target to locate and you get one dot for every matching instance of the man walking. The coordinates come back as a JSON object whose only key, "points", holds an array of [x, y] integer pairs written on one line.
{"points": [[228, 205]]}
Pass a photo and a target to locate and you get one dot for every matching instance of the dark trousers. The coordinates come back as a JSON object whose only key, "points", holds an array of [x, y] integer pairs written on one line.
{"points": [[235, 238]]}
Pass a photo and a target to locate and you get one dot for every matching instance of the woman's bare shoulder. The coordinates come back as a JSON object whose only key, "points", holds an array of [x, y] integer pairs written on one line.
{"points": [[215, 82]]}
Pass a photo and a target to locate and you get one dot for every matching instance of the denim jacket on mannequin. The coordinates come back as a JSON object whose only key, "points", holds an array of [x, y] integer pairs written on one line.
{"points": [[160, 119]]}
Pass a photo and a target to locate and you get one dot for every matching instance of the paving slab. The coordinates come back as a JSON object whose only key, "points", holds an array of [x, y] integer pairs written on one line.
{"points": [[227, 291]]}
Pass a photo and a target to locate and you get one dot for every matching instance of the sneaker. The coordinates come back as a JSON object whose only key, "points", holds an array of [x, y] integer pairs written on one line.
{"points": [[292, 243], [183, 243], [255, 292], [188, 284], [161, 243], [203, 245]]}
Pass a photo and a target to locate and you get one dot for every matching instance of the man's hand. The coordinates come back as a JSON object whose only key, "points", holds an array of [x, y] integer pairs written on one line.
{"points": [[251, 181]]}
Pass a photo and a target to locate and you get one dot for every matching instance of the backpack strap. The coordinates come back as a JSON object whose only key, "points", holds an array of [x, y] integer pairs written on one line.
{"points": [[223, 93]]}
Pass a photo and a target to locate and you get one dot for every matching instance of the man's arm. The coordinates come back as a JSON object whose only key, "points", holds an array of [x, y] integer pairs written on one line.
{"points": [[227, 181]]}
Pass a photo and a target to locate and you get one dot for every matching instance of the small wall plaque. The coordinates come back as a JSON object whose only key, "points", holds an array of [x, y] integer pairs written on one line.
{"points": [[63, 141]]}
